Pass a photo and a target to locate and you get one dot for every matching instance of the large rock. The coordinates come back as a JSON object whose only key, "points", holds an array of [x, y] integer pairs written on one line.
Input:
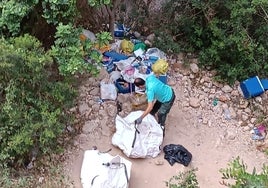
{"points": [[194, 68], [194, 102]]}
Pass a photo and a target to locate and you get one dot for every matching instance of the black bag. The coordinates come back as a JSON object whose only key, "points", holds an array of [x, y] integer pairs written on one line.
{"points": [[177, 153]]}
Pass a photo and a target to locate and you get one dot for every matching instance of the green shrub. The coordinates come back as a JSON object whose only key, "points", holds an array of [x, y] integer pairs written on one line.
{"points": [[166, 43], [184, 180], [228, 36], [12, 13], [32, 101], [241, 178]]}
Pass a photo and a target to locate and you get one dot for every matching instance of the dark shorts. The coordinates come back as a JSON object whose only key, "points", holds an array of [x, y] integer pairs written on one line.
{"points": [[163, 108]]}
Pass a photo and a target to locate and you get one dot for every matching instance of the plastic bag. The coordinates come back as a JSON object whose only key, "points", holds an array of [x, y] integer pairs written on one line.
{"points": [[114, 75], [160, 67], [140, 141], [108, 90], [128, 74], [127, 46], [104, 170], [156, 53], [177, 153]]}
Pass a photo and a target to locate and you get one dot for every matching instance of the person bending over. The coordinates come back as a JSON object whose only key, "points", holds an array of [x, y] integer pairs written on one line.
{"points": [[160, 98]]}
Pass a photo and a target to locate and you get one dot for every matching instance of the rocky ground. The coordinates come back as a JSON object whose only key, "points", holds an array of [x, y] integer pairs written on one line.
{"points": [[212, 120]]}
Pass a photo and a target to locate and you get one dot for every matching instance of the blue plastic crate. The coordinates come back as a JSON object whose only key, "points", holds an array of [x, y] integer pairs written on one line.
{"points": [[252, 87], [119, 33]]}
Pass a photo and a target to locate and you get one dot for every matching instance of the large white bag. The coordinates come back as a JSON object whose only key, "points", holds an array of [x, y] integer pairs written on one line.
{"points": [[145, 141], [102, 170]]}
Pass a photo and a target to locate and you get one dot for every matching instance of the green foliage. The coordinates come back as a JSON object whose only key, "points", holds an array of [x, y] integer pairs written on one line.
{"points": [[103, 38], [229, 36], [237, 172], [166, 43], [174, 25], [183, 180], [32, 108], [98, 3], [12, 13], [70, 54], [56, 11]]}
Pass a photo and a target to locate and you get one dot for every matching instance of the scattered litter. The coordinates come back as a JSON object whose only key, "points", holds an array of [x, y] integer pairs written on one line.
{"points": [[227, 114], [215, 101], [259, 133], [108, 90], [99, 101]]}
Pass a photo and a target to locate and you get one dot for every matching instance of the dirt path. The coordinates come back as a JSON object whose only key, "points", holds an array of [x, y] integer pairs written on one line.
{"points": [[212, 147]]}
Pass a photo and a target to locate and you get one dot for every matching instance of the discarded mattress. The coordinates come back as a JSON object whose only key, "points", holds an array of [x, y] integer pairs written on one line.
{"points": [[102, 170], [138, 141]]}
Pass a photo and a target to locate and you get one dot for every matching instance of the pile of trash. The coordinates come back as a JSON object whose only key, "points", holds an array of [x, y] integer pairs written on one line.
{"points": [[125, 60]]}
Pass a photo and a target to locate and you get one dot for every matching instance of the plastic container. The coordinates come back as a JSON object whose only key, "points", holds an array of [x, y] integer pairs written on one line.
{"points": [[252, 87], [119, 33], [227, 114]]}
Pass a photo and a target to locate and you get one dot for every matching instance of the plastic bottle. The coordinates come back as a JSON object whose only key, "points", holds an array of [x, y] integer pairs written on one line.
{"points": [[215, 101], [256, 131], [227, 114]]}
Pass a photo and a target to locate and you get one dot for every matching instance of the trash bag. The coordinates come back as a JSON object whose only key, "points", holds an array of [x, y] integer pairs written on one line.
{"points": [[177, 153], [127, 46], [156, 52], [139, 45], [160, 67], [86, 34]]}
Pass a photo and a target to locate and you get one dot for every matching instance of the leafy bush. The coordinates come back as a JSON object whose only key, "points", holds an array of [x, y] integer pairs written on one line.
{"points": [[57, 11], [166, 43], [33, 102], [228, 36], [12, 13], [237, 172], [173, 26], [15, 13], [183, 180]]}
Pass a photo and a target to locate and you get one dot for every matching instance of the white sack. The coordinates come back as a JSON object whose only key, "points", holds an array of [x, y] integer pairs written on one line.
{"points": [[147, 142], [96, 175]]}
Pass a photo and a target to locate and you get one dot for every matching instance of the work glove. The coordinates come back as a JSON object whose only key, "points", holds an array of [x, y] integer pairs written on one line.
{"points": [[138, 121]]}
